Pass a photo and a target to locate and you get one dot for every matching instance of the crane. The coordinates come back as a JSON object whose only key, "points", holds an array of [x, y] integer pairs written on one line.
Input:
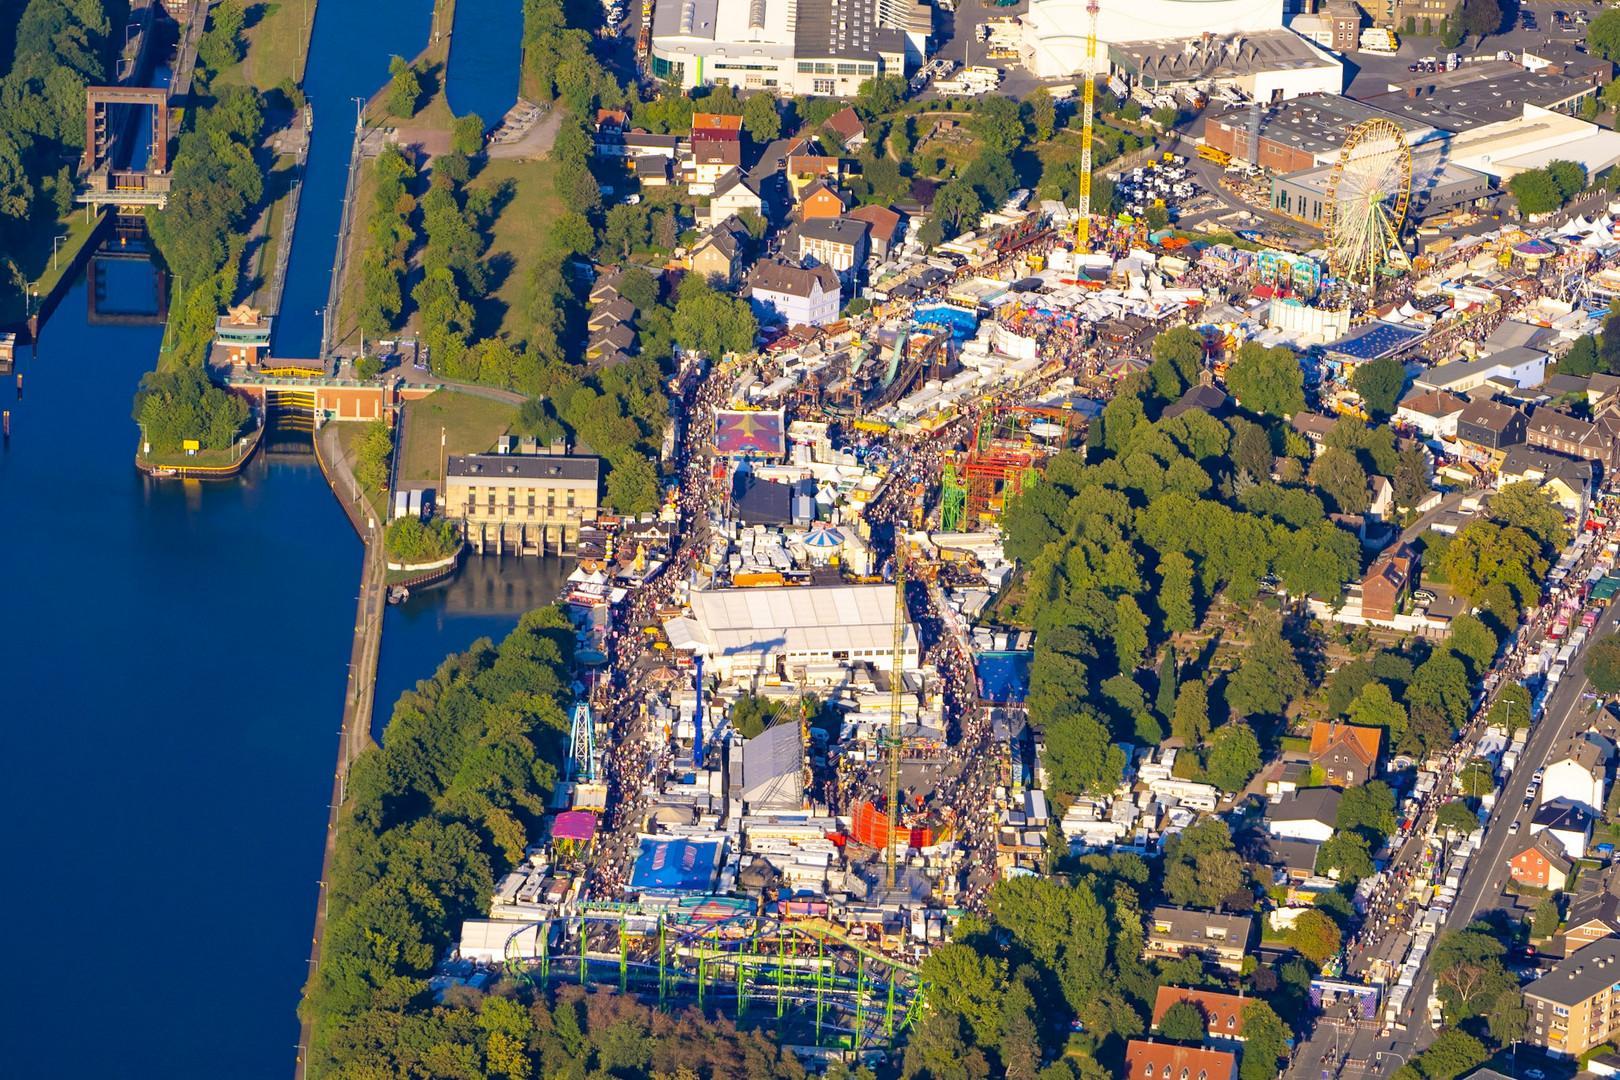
{"points": [[1082, 236], [898, 663]]}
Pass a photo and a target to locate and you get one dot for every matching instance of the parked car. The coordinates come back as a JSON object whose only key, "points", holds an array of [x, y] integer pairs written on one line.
{"points": [[1513, 830]]}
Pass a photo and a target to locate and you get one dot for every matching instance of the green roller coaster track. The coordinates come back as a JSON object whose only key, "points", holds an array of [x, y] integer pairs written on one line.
{"points": [[746, 960], [953, 500]]}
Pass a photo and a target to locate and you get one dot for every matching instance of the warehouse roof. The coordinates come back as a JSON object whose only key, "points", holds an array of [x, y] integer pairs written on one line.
{"points": [[854, 618]]}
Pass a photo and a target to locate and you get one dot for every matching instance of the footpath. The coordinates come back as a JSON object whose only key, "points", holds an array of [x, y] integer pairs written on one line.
{"points": [[359, 699]]}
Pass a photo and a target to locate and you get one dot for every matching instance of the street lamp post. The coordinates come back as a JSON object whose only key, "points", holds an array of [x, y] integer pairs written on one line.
{"points": [[55, 248]]}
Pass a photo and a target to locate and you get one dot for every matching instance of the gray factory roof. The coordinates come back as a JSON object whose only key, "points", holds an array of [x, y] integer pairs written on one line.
{"points": [[1578, 977], [1319, 123], [773, 764], [524, 467], [845, 30], [1475, 95], [1225, 56]]}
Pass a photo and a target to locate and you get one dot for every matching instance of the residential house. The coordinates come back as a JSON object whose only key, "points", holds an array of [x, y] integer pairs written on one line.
{"points": [[1382, 504], [1306, 814], [793, 295], [1490, 428], [1315, 427], [817, 200], [1541, 863], [722, 252], [1576, 774], [836, 242], [635, 143], [814, 165], [716, 125], [707, 162], [1223, 1013], [652, 171], [1146, 1060], [1575, 1006], [1203, 396], [616, 311], [1390, 579], [612, 121], [1566, 823], [1549, 429], [1346, 753], [606, 286], [1294, 860], [851, 132], [736, 192], [884, 228], [1219, 939], [618, 336], [1518, 365], [1433, 412], [1568, 481], [1567, 59], [1593, 915]]}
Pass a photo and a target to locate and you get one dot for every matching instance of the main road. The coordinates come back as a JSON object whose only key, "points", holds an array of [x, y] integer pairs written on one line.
{"points": [[1479, 892]]}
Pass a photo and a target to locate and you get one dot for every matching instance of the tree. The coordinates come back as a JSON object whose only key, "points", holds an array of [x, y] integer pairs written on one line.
{"points": [[1411, 478], [1375, 706], [1512, 709], [1165, 700], [1267, 380], [1338, 475], [1452, 1053], [1451, 34], [1043, 112], [1315, 936], [1544, 921], [404, 88], [1582, 358], [1175, 595], [1473, 643], [1603, 35], [372, 453], [1455, 815], [1379, 383], [1130, 632], [712, 322], [1345, 856], [996, 125], [1234, 757], [1603, 664], [1368, 809], [1481, 17], [1201, 868], [1570, 176], [760, 118], [1484, 554], [876, 97], [1080, 756], [1441, 683], [1270, 676], [1182, 1022], [962, 981], [1191, 721], [1536, 191], [467, 134], [625, 228], [1265, 1041], [632, 486], [1525, 506], [222, 45], [1476, 779]]}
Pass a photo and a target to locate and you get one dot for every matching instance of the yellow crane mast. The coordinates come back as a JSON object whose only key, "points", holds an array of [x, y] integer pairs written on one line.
{"points": [[1082, 235], [895, 737]]}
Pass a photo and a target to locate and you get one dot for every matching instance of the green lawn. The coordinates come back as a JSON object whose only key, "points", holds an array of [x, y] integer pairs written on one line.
{"points": [[517, 235], [37, 262], [374, 503], [471, 424], [346, 326], [430, 64], [277, 189]]}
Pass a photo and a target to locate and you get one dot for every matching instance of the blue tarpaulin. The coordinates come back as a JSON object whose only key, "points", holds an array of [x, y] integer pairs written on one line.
{"points": [[1003, 676], [676, 865]]}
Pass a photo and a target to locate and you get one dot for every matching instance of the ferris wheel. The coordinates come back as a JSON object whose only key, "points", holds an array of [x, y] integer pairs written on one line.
{"points": [[1368, 192]]}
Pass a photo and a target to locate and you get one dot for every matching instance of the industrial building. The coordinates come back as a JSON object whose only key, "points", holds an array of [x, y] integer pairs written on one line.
{"points": [[826, 47], [1437, 186], [1268, 66], [1054, 31], [1304, 133], [747, 632], [523, 503]]}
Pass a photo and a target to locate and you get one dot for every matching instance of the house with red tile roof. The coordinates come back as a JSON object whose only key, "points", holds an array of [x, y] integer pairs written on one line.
{"points": [[1145, 1060], [1223, 1013]]}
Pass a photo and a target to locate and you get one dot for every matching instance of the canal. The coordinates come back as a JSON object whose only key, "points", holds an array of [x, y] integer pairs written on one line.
{"points": [[174, 657], [485, 52]]}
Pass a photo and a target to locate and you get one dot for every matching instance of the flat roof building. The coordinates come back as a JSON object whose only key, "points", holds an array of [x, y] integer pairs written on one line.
{"points": [[1304, 132], [1570, 1006], [742, 632], [1054, 31], [522, 501], [1271, 65]]}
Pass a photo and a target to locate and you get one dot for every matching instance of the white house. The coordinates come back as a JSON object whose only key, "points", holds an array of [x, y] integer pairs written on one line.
{"points": [[1306, 814], [1568, 824], [735, 192], [1433, 412], [793, 295], [1576, 776]]}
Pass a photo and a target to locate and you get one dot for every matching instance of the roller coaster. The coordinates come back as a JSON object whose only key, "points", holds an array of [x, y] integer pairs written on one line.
{"points": [[803, 973]]}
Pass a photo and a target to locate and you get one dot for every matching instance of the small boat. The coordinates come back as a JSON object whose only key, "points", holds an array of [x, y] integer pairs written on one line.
{"points": [[165, 472], [398, 594]]}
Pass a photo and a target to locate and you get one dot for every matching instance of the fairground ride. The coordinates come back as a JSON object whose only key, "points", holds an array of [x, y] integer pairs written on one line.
{"points": [[802, 974], [1367, 196], [1011, 445]]}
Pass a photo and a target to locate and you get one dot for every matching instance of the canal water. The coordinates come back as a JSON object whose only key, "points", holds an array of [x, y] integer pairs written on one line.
{"points": [[485, 53], [173, 658]]}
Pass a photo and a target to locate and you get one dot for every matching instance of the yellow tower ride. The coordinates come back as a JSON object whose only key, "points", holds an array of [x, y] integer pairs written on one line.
{"points": [[1082, 236]]}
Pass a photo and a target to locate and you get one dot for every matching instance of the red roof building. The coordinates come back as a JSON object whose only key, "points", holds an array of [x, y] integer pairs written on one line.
{"points": [[1223, 1013], [1166, 1061]]}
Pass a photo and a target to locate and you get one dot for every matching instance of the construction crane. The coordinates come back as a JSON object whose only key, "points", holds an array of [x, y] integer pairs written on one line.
{"points": [[895, 737], [1082, 235]]}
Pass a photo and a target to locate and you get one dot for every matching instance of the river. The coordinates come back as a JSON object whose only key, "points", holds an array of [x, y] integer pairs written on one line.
{"points": [[165, 787]]}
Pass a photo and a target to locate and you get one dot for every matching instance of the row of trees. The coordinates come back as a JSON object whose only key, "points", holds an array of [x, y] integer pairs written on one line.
{"points": [[59, 48], [448, 801], [389, 239]]}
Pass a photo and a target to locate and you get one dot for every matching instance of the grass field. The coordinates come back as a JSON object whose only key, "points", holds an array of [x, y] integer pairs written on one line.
{"points": [[277, 38], [277, 189], [346, 326], [373, 503], [516, 236], [471, 424]]}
